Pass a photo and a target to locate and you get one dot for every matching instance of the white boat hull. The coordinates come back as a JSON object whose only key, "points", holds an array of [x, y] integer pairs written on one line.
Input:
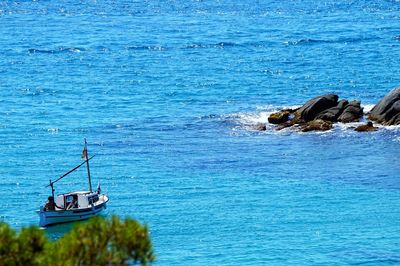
{"points": [[63, 216]]}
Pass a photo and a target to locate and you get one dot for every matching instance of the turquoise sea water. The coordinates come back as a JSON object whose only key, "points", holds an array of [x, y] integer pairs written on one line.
{"points": [[166, 92]]}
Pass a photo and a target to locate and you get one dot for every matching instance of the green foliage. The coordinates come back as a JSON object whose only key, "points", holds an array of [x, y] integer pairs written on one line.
{"points": [[96, 242], [27, 248]]}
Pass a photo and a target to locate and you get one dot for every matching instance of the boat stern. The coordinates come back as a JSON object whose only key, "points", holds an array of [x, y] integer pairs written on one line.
{"points": [[42, 217]]}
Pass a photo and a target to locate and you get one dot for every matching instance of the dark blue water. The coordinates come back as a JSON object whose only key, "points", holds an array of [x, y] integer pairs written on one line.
{"points": [[166, 92]]}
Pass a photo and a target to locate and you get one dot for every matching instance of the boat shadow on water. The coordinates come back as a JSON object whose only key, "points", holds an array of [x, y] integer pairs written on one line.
{"points": [[57, 231]]}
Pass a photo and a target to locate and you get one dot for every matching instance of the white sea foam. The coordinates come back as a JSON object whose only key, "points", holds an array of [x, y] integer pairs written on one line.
{"points": [[253, 118], [368, 107], [261, 116], [53, 130]]}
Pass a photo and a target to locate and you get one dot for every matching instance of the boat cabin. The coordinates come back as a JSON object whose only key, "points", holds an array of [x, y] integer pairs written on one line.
{"points": [[76, 200]]}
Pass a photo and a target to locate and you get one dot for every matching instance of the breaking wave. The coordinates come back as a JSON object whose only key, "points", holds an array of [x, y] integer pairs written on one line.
{"points": [[219, 45], [147, 47], [57, 50], [309, 41], [215, 45]]}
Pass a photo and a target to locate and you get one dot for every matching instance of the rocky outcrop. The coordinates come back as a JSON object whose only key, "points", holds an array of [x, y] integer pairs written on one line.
{"points": [[333, 113], [316, 125], [352, 112], [313, 107], [318, 113], [322, 111], [387, 111], [366, 128], [279, 117]]}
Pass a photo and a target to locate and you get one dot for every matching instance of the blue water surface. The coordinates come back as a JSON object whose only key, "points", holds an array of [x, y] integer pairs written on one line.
{"points": [[167, 92]]}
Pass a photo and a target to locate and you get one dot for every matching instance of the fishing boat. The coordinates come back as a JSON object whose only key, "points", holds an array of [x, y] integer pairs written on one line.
{"points": [[72, 206]]}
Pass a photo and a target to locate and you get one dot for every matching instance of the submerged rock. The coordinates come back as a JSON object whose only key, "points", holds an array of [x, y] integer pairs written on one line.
{"points": [[366, 128], [260, 127], [352, 112], [333, 113], [316, 125], [387, 110], [313, 107], [279, 117]]}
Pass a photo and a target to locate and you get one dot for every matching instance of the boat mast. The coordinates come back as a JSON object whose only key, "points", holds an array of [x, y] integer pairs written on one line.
{"points": [[87, 164], [52, 188], [67, 173]]}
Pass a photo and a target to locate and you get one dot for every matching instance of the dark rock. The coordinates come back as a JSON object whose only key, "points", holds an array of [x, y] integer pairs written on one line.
{"points": [[260, 127], [366, 128], [316, 125], [352, 112], [387, 110], [315, 106], [393, 111], [333, 113], [297, 120], [285, 125], [279, 117], [395, 120]]}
